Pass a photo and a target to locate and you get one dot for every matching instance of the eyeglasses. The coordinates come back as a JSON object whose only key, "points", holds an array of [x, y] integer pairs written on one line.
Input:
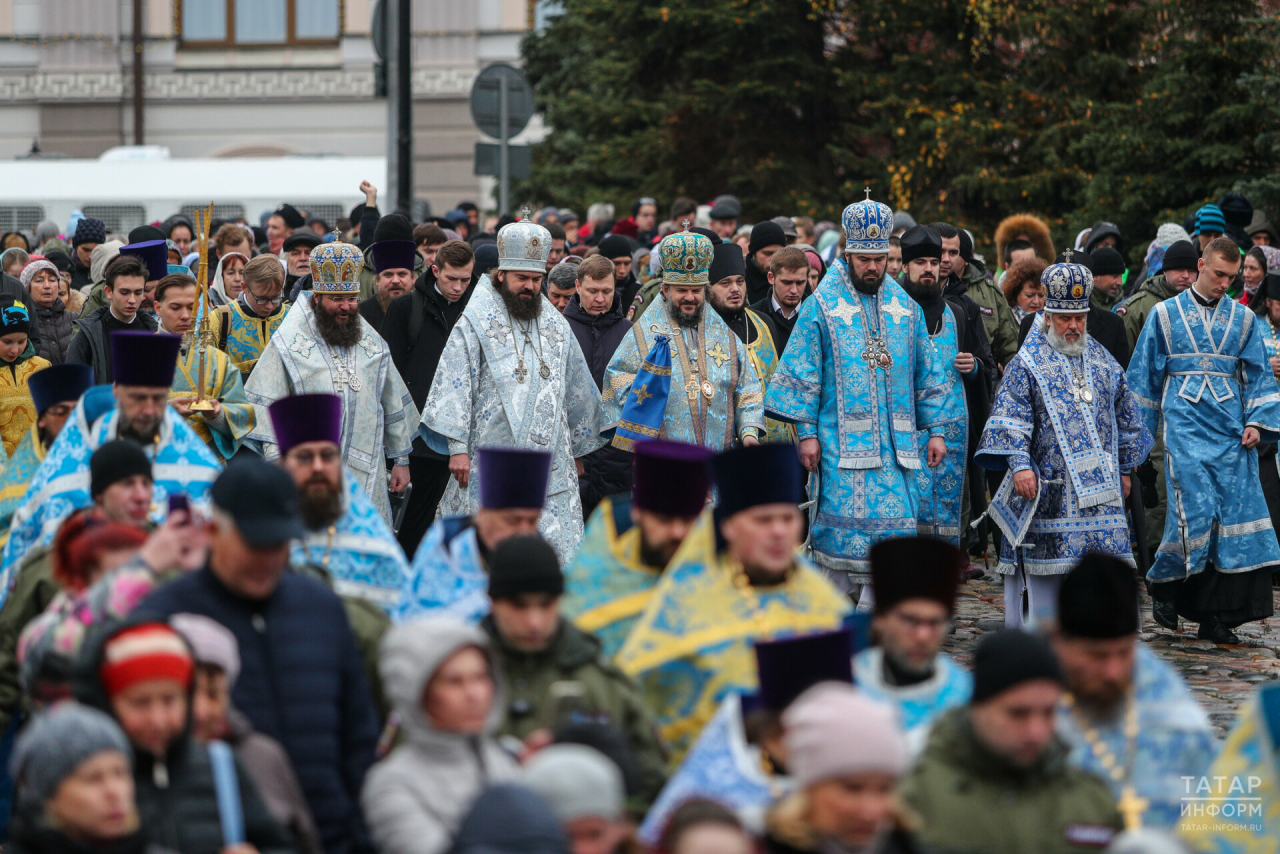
{"points": [[307, 457], [343, 300], [915, 623], [275, 300]]}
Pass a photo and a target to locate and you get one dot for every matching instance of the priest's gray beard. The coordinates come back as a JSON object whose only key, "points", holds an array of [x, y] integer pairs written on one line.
{"points": [[1061, 344], [520, 306], [336, 334]]}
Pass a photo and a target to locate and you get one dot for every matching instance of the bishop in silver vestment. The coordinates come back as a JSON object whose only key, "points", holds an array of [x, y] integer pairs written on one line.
{"points": [[512, 375], [315, 352]]}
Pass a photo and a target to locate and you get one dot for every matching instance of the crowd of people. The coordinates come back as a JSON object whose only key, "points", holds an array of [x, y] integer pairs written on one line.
{"points": [[615, 534]]}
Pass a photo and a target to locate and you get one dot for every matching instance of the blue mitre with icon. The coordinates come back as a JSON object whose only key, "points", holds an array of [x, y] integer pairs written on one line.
{"points": [[1067, 287], [646, 403], [868, 226], [335, 268], [686, 258]]}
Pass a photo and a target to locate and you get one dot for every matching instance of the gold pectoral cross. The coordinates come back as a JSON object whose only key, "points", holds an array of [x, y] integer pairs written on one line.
{"points": [[691, 388], [1131, 808]]}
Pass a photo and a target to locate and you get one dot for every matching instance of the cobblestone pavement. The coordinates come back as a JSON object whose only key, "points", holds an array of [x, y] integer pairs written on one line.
{"points": [[1223, 677]]}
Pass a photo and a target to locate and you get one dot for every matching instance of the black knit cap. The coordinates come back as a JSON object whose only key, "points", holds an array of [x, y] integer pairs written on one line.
{"points": [[115, 461], [1180, 256], [1107, 262], [524, 564], [765, 234], [1007, 659], [920, 241], [1098, 599]]}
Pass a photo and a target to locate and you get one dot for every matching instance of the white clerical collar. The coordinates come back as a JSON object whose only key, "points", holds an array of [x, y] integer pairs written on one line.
{"points": [[112, 309], [782, 311]]}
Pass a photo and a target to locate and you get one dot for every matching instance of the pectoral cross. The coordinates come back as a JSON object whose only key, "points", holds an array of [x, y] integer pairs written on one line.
{"points": [[520, 372], [1131, 808], [718, 355], [691, 388], [876, 355]]}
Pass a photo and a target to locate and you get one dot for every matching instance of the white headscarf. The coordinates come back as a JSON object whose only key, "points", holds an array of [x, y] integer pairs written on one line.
{"points": [[218, 288]]}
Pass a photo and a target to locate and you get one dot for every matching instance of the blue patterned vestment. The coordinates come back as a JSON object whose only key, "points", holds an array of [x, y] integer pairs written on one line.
{"points": [[1077, 449], [1175, 740], [1203, 387], [358, 551], [865, 417]]}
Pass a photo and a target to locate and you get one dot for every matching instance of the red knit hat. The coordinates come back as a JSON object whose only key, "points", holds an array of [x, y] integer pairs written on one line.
{"points": [[143, 653]]}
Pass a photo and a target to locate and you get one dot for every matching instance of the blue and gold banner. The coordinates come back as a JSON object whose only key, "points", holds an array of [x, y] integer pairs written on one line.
{"points": [[646, 403]]}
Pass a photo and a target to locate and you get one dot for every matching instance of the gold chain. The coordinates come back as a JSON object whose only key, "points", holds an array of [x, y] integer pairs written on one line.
{"points": [[1130, 805]]}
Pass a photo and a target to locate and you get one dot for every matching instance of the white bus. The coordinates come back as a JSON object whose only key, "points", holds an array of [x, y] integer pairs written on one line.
{"points": [[129, 186]]}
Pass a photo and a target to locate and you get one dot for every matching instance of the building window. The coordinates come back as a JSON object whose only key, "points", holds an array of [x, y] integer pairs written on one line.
{"points": [[259, 22]]}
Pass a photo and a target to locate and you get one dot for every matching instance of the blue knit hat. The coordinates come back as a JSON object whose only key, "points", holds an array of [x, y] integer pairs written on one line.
{"points": [[1210, 218]]}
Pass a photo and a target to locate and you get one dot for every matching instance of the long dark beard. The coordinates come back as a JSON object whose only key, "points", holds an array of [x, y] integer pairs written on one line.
{"points": [[921, 292], [688, 321], [864, 288], [333, 332], [320, 510], [520, 308]]}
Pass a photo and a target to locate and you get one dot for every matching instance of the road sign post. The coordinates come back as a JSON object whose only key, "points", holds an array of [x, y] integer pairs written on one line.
{"points": [[501, 105]]}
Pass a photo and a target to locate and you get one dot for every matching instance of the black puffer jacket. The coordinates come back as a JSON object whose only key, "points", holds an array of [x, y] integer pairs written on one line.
{"points": [[177, 799], [58, 324], [598, 336], [606, 471]]}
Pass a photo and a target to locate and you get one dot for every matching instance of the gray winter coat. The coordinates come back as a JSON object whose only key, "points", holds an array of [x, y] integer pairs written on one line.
{"points": [[57, 324], [415, 799]]}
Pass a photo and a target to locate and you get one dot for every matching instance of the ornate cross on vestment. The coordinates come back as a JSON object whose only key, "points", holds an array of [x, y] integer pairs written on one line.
{"points": [[897, 311], [845, 311], [718, 355]]}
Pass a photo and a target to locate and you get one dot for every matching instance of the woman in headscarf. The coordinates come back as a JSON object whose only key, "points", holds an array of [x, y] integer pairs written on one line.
{"points": [[1259, 263], [43, 282], [228, 279]]}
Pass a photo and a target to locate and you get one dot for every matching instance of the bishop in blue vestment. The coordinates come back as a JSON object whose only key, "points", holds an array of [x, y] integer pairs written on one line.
{"points": [[859, 377], [1065, 428]]}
